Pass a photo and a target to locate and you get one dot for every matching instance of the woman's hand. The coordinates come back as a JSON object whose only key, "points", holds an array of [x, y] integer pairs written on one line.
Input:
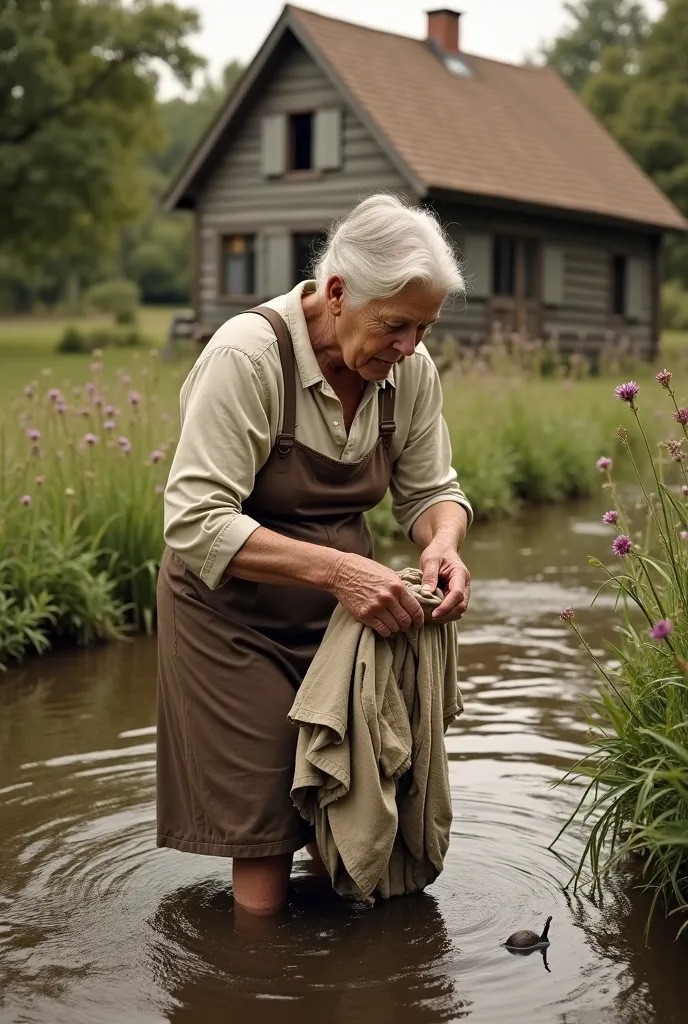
{"points": [[374, 595], [442, 566]]}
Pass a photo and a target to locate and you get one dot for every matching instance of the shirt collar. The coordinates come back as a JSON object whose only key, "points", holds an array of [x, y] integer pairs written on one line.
{"points": [[309, 368]]}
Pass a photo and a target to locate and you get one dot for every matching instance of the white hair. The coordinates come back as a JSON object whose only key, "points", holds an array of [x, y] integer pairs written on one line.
{"points": [[384, 244]]}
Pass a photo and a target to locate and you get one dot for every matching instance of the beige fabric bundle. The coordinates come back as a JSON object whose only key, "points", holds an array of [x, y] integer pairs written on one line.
{"points": [[371, 767]]}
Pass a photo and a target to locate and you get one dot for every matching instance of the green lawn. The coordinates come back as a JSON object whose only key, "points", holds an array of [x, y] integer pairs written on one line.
{"points": [[27, 352]]}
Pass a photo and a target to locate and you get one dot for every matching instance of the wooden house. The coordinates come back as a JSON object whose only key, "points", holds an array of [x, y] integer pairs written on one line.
{"points": [[561, 231]]}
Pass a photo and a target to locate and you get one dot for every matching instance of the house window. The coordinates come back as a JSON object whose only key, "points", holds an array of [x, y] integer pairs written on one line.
{"points": [[306, 247], [619, 284], [504, 265], [238, 265], [300, 142]]}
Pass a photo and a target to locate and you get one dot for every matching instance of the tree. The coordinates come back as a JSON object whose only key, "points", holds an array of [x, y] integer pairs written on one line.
{"points": [[77, 111], [598, 25]]}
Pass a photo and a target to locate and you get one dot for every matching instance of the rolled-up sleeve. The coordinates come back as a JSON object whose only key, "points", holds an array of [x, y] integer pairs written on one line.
{"points": [[225, 440], [423, 474]]}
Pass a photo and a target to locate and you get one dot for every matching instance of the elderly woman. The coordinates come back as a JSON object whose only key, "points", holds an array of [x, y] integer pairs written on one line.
{"points": [[296, 419]]}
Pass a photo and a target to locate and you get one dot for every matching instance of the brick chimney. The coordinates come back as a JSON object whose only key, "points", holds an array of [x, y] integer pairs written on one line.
{"points": [[443, 29]]}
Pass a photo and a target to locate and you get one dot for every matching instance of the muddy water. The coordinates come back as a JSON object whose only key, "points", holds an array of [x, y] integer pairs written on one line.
{"points": [[98, 926]]}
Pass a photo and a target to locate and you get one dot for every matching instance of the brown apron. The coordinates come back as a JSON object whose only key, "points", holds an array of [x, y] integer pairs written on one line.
{"points": [[230, 660]]}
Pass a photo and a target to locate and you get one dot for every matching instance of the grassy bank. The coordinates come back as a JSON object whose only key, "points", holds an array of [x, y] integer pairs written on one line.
{"points": [[86, 443], [636, 800]]}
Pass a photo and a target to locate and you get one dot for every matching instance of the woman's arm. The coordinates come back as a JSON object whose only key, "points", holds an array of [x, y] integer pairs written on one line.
{"points": [[439, 531]]}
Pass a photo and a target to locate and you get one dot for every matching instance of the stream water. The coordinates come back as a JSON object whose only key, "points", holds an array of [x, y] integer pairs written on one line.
{"points": [[96, 925]]}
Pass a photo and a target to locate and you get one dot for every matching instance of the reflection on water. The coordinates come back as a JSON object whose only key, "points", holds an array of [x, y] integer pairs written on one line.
{"points": [[96, 925]]}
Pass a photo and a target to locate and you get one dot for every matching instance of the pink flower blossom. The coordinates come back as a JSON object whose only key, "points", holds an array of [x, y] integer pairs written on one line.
{"points": [[683, 534], [622, 545], [109, 425], [61, 408], [125, 444], [684, 490], [681, 416], [90, 439], [55, 395], [110, 410], [90, 387], [661, 629], [134, 397], [566, 614], [663, 378], [25, 499], [156, 456], [610, 517], [33, 434], [627, 392], [604, 463], [97, 400]]}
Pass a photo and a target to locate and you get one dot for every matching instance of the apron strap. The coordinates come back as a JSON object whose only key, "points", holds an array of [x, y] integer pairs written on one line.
{"points": [[284, 442], [385, 404]]}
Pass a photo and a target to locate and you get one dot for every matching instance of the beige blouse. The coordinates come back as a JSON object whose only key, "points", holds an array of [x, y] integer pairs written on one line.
{"points": [[231, 413]]}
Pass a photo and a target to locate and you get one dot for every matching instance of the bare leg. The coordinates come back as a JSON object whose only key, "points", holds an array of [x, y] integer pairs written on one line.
{"points": [[260, 883], [314, 854]]}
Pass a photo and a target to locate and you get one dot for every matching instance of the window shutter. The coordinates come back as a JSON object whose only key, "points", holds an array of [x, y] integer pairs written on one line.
{"points": [[553, 275], [328, 139], [277, 263], [636, 285], [274, 145], [477, 251]]}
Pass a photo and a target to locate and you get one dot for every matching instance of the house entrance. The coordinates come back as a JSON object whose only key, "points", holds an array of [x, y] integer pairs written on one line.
{"points": [[516, 289]]}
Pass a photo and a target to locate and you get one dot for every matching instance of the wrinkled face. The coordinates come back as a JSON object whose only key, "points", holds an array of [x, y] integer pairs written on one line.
{"points": [[384, 331]]}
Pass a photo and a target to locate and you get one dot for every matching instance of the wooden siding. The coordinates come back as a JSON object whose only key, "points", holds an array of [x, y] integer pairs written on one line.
{"points": [[237, 198], [583, 321]]}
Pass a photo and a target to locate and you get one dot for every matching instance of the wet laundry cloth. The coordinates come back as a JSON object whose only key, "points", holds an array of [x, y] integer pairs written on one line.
{"points": [[371, 768]]}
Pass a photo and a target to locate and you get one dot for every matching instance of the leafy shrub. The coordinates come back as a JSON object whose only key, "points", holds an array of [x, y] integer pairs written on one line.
{"points": [[674, 306], [119, 298], [86, 340]]}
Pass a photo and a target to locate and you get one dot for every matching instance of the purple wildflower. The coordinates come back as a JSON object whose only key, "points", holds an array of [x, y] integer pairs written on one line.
{"points": [[627, 392], [622, 545], [681, 416], [661, 629], [110, 410], [684, 490], [97, 400], [39, 481], [156, 456], [134, 397], [55, 395], [566, 614], [90, 439], [90, 387], [25, 499], [125, 444], [61, 408], [33, 434], [610, 517], [604, 463], [109, 425], [675, 449], [663, 378]]}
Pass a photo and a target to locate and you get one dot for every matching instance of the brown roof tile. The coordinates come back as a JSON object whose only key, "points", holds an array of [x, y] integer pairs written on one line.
{"points": [[509, 132]]}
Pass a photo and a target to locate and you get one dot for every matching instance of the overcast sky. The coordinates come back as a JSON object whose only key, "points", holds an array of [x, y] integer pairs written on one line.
{"points": [[507, 30]]}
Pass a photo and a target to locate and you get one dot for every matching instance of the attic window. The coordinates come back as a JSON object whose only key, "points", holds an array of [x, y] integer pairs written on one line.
{"points": [[456, 65], [300, 142]]}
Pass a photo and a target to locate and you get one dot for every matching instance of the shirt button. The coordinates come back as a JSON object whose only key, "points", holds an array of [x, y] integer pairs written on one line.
{"points": [[336, 423]]}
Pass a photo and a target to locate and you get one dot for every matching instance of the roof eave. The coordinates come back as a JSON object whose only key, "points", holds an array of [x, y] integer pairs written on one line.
{"points": [[565, 212]]}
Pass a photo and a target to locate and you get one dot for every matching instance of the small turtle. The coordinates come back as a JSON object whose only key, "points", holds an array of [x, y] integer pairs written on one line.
{"points": [[527, 941]]}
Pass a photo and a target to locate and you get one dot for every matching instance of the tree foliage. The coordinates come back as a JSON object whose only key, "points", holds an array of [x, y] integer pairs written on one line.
{"points": [[77, 111], [597, 25]]}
